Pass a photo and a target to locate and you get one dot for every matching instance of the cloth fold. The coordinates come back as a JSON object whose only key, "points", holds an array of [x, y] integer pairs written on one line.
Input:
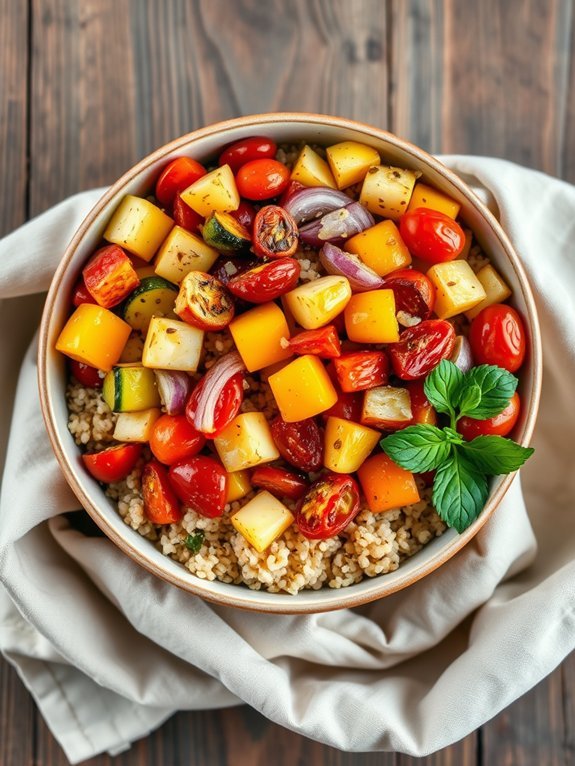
{"points": [[109, 652]]}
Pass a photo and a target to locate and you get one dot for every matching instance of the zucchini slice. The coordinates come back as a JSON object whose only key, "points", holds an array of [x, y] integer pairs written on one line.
{"points": [[154, 297], [130, 388], [223, 232]]}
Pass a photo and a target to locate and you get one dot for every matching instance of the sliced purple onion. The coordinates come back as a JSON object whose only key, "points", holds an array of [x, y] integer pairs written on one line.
{"points": [[336, 261], [337, 226], [307, 204], [462, 356], [174, 389], [211, 387]]}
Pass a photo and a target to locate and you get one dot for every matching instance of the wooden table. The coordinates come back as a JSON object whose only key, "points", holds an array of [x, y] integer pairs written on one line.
{"points": [[88, 88]]}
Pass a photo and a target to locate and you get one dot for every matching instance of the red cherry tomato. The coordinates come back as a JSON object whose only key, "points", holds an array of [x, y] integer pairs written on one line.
{"points": [[173, 438], [361, 370], [299, 443], [114, 463], [161, 505], [430, 235], [421, 409], [86, 375], [80, 293], [245, 214], [348, 407], [247, 150], [497, 336], [185, 217], [202, 484], [323, 342], [266, 283], [262, 179], [177, 176], [227, 407], [328, 507], [414, 293], [227, 267], [275, 233], [498, 425], [421, 348], [279, 482]]}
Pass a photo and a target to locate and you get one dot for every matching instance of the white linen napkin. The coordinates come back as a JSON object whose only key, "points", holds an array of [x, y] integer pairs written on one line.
{"points": [[109, 651]]}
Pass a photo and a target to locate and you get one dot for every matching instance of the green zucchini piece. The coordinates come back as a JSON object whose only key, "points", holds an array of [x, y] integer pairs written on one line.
{"points": [[154, 297], [130, 388], [224, 233]]}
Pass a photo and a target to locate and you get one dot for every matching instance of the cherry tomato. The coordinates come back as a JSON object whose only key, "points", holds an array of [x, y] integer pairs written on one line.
{"points": [[421, 348], [227, 407], [414, 292], [262, 179], [498, 425], [427, 477], [497, 336], [323, 342], [161, 505], [266, 282], [328, 507], [177, 176], [275, 233], [114, 463], [348, 407], [290, 190], [173, 438], [185, 217], [86, 375], [299, 443], [245, 214], [204, 302], [279, 481], [247, 150], [80, 293], [109, 276], [361, 370], [202, 484], [421, 409], [430, 235], [229, 266]]}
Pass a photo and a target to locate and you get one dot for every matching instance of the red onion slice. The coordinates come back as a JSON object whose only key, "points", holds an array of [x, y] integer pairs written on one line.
{"points": [[462, 356], [337, 226], [336, 261], [309, 203], [210, 388], [174, 389]]}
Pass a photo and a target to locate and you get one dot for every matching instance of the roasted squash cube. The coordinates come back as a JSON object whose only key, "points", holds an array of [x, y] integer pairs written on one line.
{"points": [[349, 162], [95, 336], [311, 170], [458, 289], [347, 444], [381, 248], [182, 252], [216, 190], [172, 345], [496, 290], [426, 196], [370, 317], [386, 191], [262, 520], [302, 389], [386, 485], [258, 334], [246, 442], [138, 226], [316, 303]]}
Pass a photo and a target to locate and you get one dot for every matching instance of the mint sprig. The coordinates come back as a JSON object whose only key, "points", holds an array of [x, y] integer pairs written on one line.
{"points": [[460, 486]]}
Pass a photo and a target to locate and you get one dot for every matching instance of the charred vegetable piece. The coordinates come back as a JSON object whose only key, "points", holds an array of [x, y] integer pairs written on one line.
{"points": [[109, 276], [114, 463], [266, 282], [225, 233], [275, 233], [414, 295], [279, 482], [361, 370], [299, 443], [328, 507], [421, 348], [204, 302], [324, 342]]}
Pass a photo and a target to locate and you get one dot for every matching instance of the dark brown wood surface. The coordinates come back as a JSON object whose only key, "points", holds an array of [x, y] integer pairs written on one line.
{"points": [[87, 88]]}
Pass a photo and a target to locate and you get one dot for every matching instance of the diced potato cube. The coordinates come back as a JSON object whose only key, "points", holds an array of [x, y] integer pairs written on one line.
{"points": [[257, 334], [246, 442], [347, 444], [314, 304], [386, 485], [136, 426], [138, 226], [238, 485], [496, 290], [216, 190], [386, 407], [311, 170], [302, 389], [370, 317], [95, 336], [349, 162], [172, 345], [386, 191], [262, 520], [182, 252], [458, 289], [381, 248], [426, 196]]}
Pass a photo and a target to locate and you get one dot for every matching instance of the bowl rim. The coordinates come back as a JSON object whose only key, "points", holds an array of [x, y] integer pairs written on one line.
{"points": [[255, 600]]}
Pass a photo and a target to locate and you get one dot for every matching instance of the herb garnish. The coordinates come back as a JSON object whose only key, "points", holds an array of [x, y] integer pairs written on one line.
{"points": [[195, 540], [460, 484]]}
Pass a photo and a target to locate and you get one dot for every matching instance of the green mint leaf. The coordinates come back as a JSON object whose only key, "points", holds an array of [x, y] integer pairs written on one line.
{"points": [[417, 448], [195, 540], [459, 491], [470, 397], [452, 435], [495, 454], [443, 386], [497, 386]]}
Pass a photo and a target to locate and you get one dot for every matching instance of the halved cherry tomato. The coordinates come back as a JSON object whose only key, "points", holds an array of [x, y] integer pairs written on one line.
{"points": [[80, 294], [414, 293], [161, 505], [227, 407], [275, 233], [177, 176], [245, 214], [430, 235], [204, 302], [348, 407], [202, 484], [173, 438], [323, 342], [421, 348], [246, 150], [266, 282], [114, 463], [328, 507], [279, 481], [185, 217], [498, 425], [497, 336], [86, 375], [299, 443], [229, 266], [422, 411], [262, 179], [109, 276], [361, 370]]}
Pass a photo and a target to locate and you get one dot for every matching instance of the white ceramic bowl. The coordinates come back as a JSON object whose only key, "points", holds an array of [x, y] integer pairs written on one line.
{"points": [[203, 144]]}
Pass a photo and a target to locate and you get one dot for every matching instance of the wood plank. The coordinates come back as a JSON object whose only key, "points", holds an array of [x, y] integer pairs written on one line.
{"points": [[462, 753], [17, 720], [568, 148]]}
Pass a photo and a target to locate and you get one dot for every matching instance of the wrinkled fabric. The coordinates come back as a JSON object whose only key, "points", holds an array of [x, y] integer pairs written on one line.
{"points": [[109, 652]]}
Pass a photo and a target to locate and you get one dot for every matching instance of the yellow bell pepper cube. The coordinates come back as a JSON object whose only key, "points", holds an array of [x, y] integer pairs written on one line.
{"points": [[302, 389], [347, 444], [314, 304], [216, 190], [311, 170], [426, 196], [138, 226], [262, 520], [95, 336], [386, 485], [349, 162], [458, 289], [381, 248], [258, 334], [496, 290], [246, 442], [238, 485], [370, 317]]}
